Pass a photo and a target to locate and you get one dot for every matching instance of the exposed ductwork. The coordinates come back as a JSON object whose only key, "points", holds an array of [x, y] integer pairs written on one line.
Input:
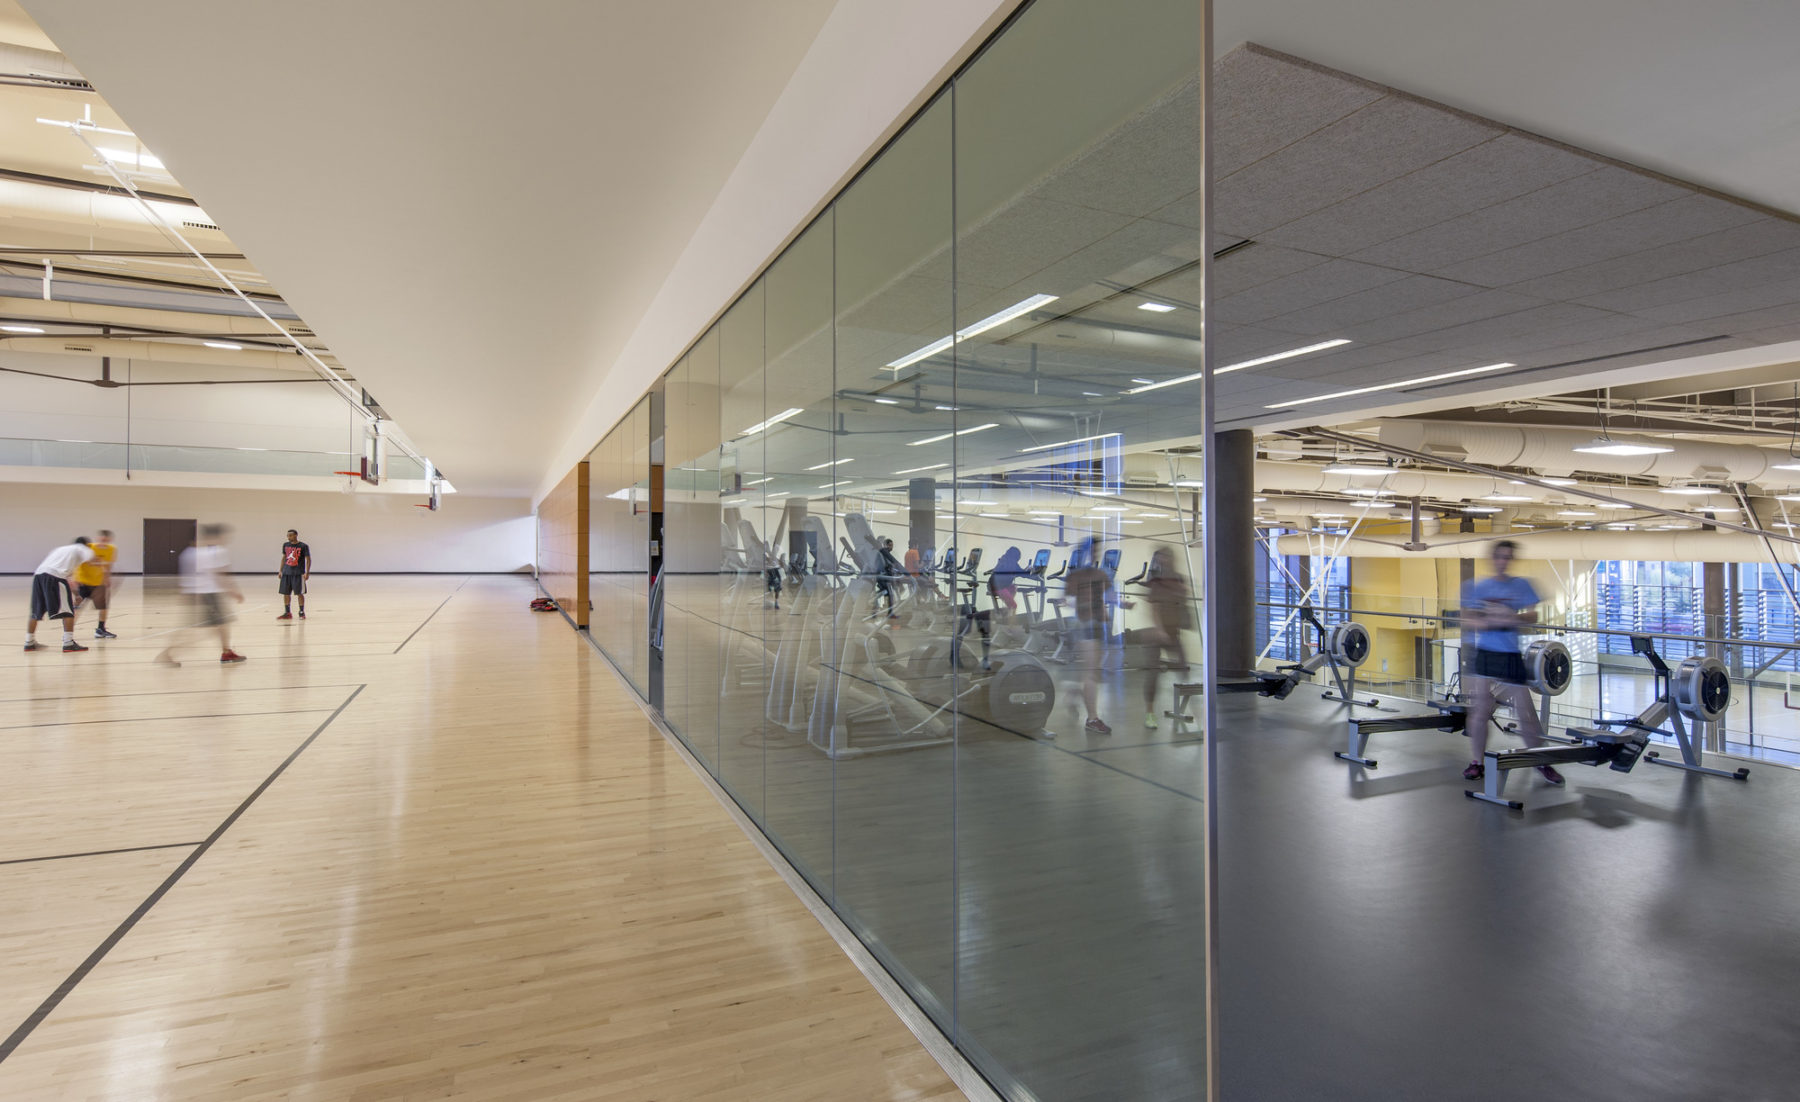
{"points": [[23, 61], [1689, 546], [1552, 451]]}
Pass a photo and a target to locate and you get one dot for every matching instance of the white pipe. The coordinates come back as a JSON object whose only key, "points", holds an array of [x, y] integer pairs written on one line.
{"points": [[1552, 450], [1597, 545]]}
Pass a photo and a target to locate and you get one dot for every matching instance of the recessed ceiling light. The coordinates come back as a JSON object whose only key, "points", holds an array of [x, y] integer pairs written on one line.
{"points": [[752, 482], [1191, 484], [1017, 309], [882, 512], [916, 470], [1244, 364], [1158, 516], [1690, 491], [831, 463], [1401, 385], [951, 409], [948, 435], [1556, 481], [1156, 307], [20, 329], [1153, 380], [1714, 509], [887, 401], [1066, 443], [978, 503], [1606, 445], [1505, 497], [991, 514], [226, 345], [1613, 505], [1045, 513], [1481, 508], [1254, 499], [775, 420], [1109, 509], [1577, 513]]}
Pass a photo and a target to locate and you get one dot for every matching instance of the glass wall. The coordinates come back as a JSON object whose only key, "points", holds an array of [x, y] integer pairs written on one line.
{"points": [[930, 561]]}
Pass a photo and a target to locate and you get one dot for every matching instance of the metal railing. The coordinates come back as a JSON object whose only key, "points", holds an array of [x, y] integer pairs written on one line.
{"points": [[112, 456]]}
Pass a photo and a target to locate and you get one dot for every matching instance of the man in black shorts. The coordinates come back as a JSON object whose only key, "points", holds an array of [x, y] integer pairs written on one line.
{"points": [[296, 568], [50, 594]]}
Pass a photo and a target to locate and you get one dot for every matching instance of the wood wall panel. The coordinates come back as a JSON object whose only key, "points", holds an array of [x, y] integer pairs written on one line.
{"points": [[562, 522]]}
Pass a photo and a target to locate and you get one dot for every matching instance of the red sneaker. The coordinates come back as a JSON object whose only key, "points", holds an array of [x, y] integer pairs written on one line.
{"points": [[231, 656], [285, 616], [72, 647]]}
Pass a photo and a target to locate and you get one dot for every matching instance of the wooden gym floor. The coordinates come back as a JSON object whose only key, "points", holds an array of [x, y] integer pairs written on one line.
{"points": [[421, 845]]}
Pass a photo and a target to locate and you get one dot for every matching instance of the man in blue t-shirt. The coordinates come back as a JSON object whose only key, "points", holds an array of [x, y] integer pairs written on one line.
{"points": [[1494, 608]]}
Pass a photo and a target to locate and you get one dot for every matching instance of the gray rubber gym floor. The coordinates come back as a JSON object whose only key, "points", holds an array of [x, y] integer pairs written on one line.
{"points": [[1628, 937]]}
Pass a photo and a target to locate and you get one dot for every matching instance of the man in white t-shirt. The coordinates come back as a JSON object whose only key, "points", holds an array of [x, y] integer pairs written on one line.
{"points": [[206, 578], [50, 594]]}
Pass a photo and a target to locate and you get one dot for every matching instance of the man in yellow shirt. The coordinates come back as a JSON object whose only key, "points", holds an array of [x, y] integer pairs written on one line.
{"points": [[94, 578]]}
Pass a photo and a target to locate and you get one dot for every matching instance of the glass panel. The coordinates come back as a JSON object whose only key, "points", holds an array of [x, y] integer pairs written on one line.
{"points": [[1079, 802], [717, 664], [769, 679], [618, 542], [891, 735], [825, 621]]}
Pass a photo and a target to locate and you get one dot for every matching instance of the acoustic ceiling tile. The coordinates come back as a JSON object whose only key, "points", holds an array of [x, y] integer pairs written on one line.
{"points": [[1263, 104], [1256, 265], [1142, 166], [1738, 275], [1399, 296], [1508, 166], [1320, 283], [1757, 237], [1429, 321], [1760, 297]]}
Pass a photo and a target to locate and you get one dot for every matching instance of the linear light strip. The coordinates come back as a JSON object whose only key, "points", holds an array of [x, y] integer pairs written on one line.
{"points": [[831, 463], [1017, 309], [1244, 365], [1066, 443], [1403, 384], [948, 435], [775, 420]]}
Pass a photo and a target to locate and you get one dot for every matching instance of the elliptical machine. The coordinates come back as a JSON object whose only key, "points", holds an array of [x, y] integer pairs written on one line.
{"points": [[1698, 690]]}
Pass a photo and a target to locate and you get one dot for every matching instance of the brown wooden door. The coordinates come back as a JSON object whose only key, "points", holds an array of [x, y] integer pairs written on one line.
{"points": [[164, 541]]}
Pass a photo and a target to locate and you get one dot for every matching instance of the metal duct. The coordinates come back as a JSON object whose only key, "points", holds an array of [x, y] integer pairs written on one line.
{"points": [[1597, 545], [59, 207], [1309, 478], [1552, 450], [44, 63]]}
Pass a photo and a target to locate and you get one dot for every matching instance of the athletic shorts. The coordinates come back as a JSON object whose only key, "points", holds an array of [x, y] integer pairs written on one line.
{"points": [[209, 610], [1501, 665], [47, 593], [292, 584]]}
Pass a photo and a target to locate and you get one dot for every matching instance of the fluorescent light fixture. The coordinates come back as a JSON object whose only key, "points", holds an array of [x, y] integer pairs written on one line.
{"points": [[1017, 309], [1330, 516], [1577, 513], [973, 502], [887, 401], [771, 422], [1363, 492], [1794, 466], [1714, 509], [781, 493], [1045, 513], [833, 485], [1131, 522], [1110, 509], [1156, 307], [991, 514], [1357, 468], [752, 482], [1606, 445], [1245, 364], [20, 329], [1066, 443], [1481, 508], [1153, 380], [1689, 491], [1505, 497], [882, 512], [1191, 483], [831, 463], [1612, 505], [1556, 481], [226, 345], [951, 409], [1154, 516], [916, 470], [1402, 385], [1259, 499], [948, 435]]}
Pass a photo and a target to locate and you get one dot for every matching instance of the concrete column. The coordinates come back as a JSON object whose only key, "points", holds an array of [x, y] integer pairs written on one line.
{"points": [[921, 524], [1712, 609], [1234, 548]]}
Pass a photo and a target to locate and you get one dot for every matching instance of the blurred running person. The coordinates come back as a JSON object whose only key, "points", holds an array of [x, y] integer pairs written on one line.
{"points": [[890, 573], [296, 568], [206, 578], [1495, 607], [1170, 614], [93, 580], [1089, 588], [50, 593], [1003, 583]]}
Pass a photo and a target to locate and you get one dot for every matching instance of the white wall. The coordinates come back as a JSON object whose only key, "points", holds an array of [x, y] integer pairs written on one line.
{"points": [[301, 415], [348, 533]]}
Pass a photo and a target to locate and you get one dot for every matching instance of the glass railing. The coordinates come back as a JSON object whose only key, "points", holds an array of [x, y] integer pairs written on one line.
{"points": [[1608, 681], [101, 455]]}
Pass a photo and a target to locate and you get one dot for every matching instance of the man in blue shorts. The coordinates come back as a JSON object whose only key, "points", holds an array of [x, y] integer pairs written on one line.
{"points": [[1496, 607]]}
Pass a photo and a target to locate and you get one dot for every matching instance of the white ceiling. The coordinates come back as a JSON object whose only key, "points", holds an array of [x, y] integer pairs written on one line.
{"points": [[472, 203], [1702, 91]]}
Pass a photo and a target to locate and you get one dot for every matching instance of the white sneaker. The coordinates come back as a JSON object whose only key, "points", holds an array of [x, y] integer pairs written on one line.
{"points": [[1150, 721]]}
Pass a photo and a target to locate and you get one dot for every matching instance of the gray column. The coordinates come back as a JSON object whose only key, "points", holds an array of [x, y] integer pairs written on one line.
{"points": [[1234, 548], [921, 525]]}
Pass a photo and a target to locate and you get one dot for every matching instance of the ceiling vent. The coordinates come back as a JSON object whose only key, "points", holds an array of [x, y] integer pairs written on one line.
{"points": [[78, 348], [198, 225]]}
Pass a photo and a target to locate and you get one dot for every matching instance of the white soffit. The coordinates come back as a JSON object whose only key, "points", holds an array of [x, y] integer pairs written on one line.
{"points": [[1703, 92], [473, 204]]}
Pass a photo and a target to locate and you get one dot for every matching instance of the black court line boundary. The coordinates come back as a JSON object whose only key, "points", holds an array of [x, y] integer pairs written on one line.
{"points": [[427, 619], [160, 719], [96, 853], [44, 1010]]}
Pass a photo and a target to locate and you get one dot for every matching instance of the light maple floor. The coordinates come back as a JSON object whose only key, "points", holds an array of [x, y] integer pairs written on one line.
{"points": [[418, 846]]}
